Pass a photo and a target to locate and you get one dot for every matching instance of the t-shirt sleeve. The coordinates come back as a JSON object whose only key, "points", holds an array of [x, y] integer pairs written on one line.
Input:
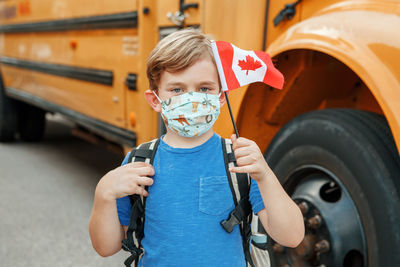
{"points": [[255, 197], [124, 204]]}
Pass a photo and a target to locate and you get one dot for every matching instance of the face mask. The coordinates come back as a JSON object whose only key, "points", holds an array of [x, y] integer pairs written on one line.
{"points": [[190, 114]]}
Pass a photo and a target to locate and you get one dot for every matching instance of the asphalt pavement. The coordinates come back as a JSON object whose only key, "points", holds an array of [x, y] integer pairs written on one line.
{"points": [[46, 197]]}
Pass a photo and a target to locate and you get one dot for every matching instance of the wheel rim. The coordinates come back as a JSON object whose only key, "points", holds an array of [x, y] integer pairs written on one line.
{"points": [[334, 234]]}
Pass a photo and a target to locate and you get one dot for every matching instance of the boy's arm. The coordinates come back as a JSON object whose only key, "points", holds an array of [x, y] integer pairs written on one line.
{"points": [[105, 230], [281, 217]]}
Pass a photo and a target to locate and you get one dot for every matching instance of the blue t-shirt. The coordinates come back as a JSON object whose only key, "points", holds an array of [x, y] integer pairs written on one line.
{"points": [[189, 198]]}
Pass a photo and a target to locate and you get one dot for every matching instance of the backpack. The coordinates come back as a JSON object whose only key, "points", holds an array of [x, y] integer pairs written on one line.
{"points": [[254, 237]]}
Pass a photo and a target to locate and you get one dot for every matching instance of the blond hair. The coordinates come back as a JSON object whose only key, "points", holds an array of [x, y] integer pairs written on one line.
{"points": [[176, 52]]}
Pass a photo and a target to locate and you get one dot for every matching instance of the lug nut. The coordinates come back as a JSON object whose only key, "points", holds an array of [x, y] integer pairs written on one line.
{"points": [[322, 246], [303, 207], [314, 222], [278, 248]]}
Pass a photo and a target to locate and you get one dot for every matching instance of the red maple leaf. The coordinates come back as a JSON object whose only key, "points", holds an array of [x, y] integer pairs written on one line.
{"points": [[249, 64]]}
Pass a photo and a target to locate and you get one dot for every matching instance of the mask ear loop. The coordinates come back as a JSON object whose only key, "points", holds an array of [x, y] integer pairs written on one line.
{"points": [[156, 96]]}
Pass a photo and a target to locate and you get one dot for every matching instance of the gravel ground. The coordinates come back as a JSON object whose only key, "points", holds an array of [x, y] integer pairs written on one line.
{"points": [[46, 196]]}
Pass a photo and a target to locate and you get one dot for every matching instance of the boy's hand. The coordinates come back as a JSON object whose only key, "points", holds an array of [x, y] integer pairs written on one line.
{"points": [[126, 180], [249, 158]]}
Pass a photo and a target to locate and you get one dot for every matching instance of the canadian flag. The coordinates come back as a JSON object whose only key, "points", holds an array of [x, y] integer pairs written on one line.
{"points": [[238, 67]]}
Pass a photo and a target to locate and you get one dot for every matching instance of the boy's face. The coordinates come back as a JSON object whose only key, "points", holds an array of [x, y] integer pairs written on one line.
{"points": [[201, 77]]}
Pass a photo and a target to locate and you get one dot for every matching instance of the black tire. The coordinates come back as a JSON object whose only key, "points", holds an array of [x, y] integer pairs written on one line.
{"points": [[343, 166], [8, 116], [31, 122]]}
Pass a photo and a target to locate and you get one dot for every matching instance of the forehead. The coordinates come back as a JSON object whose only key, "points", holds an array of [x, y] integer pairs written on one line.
{"points": [[203, 69]]}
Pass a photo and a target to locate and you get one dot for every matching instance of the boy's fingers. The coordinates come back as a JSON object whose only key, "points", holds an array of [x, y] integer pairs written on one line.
{"points": [[244, 169], [139, 164], [143, 180], [241, 152], [147, 170], [143, 166], [242, 161], [240, 142], [141, 191], [233, 138]]}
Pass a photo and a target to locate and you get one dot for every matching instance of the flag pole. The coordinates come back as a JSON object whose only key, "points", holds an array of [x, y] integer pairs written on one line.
{"points": [[230, 113]]}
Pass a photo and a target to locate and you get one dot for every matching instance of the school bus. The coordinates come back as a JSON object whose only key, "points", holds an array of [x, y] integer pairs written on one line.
{"points": [[331, 135]]}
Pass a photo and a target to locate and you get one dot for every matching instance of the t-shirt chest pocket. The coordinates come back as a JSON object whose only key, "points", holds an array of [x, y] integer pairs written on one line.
{"points": [[215, 197]]}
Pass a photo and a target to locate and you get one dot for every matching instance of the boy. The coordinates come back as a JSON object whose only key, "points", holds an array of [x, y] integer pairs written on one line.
{"points": [[188, 193]]}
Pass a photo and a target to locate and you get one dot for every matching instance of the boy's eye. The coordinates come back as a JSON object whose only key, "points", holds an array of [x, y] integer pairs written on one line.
{"points": [[177, 90], [204, 89]]}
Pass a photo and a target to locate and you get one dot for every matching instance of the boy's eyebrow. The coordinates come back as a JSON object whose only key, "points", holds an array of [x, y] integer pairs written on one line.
{"points": [[207, 83], [176, 83]]}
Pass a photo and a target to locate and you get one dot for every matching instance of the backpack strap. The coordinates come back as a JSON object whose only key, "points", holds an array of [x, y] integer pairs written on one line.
{"points": [[143, 153], [240, 188]]}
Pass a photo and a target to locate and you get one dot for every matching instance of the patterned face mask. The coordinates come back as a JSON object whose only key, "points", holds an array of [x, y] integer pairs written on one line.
{"points": [[190, 114]]}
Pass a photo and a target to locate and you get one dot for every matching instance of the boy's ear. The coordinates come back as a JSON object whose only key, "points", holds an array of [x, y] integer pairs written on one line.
{"points": [[152, 100], [222, 99]]}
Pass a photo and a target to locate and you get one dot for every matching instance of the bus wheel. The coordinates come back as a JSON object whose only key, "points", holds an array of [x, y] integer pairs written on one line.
{"points": [[342, 168], [8, 116], [31, 122]]}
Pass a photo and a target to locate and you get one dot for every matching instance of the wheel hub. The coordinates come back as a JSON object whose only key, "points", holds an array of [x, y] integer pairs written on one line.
{"points": [[333, 231]]}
